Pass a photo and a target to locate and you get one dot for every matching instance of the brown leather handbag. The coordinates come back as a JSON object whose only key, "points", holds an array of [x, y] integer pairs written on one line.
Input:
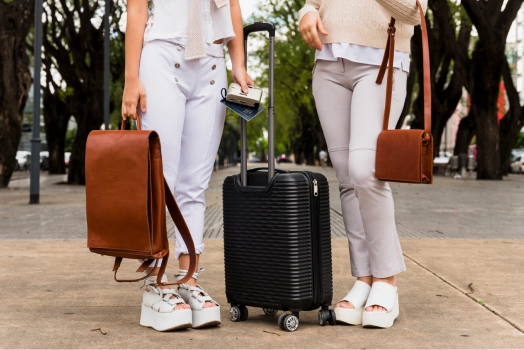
{"points": [[126, 197], [405, 155]]}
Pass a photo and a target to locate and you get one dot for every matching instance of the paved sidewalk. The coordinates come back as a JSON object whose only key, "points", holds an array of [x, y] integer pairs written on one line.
{"points": [[464, 249]]}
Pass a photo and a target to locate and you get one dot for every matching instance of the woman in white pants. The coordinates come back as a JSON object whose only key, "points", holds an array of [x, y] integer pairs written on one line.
{"points": [[350, 105], [175, 55]]}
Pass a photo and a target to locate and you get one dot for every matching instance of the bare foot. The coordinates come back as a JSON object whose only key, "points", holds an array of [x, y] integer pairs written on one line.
{"points": [[347, 304], [389, 280]]}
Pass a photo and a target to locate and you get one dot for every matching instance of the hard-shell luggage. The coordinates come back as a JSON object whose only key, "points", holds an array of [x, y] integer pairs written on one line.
{"points": [[277, 235]]}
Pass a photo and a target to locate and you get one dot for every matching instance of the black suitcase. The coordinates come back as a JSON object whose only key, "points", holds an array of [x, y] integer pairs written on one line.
{"points": [[277, 234]]}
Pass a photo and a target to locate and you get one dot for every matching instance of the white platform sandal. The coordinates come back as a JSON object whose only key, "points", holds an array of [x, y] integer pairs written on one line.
{"points": [[356, 296], [384, 295], [158, 308], [196, 298]]}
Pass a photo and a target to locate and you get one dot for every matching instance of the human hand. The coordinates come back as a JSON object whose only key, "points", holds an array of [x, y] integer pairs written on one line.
{"points": [[241, 77], [309, 27], [134, 93]]}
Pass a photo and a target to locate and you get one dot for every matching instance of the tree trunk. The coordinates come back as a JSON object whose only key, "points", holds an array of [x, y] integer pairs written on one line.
{"points": [[486, 74], [297, 151], [15, 80], [509, 133], [89, 116], [263, 155], [465, 133], [512, 122], [56, 118]]}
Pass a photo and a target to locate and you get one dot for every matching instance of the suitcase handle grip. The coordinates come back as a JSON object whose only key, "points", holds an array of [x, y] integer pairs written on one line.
{"points": [[259, 27], [278, 171], [252, 28]]}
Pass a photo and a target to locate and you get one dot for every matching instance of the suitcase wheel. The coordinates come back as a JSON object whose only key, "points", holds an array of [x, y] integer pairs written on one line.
{"points": [[270, 312], [327, 316], [288, 322], [238, 313], [333, 319]]}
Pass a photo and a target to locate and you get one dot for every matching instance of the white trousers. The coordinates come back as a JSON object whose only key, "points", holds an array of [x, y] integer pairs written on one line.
{"points": [[350, 106], [183, 107]]}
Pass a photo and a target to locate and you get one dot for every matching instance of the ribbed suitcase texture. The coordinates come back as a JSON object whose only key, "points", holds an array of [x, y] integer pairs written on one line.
{"points": [[277, 242]]}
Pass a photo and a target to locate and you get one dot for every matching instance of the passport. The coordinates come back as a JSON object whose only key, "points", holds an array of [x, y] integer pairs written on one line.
{"points": [[245, 112]]}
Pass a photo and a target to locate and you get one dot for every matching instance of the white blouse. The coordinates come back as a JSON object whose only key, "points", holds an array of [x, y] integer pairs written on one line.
{"points": [[360, 54], [168, 20]]}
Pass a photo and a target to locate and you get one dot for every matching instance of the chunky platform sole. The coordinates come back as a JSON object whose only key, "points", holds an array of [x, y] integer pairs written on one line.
{"points": [[162, 321], [380, 319], [349, 316], [207, 317]]}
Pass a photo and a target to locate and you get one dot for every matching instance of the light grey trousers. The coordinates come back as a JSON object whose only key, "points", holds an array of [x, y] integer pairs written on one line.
{"points": [[351, 109]]}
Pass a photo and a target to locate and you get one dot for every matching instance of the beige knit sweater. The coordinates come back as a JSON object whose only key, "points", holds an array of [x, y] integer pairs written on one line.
{"points": [[365, 22]]}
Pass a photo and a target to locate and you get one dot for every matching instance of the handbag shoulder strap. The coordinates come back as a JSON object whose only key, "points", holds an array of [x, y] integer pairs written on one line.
{"points": [[389, 53], [181, 225]]}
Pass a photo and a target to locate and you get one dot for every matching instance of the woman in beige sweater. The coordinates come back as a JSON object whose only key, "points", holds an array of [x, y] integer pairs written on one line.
{"points": [[350, 37]]}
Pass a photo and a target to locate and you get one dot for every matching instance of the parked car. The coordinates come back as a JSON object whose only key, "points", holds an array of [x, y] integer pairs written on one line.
{"points": [[284, 159], [517, 166], [440, 163], [23, 160], [442, 159], [515, 153]]}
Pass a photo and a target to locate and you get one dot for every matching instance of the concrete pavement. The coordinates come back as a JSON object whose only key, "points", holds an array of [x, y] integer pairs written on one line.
{"points": [[462, 288]]}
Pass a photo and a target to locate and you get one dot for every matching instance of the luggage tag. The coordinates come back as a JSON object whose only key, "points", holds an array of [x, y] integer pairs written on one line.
{"points": [[247, 113]]}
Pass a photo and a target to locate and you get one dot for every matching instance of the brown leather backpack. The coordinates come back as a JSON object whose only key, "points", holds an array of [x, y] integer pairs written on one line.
{"points": [[126, 198]]}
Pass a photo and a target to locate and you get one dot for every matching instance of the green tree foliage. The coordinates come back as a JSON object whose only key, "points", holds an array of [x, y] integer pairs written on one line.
{"points": [[297, 128]]}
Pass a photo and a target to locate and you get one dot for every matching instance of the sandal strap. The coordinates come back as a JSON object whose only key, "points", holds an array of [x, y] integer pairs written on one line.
{"points": [[151, 280], [199, 293], [182, 273], [358, 294], [382, 294], [167, 295]]}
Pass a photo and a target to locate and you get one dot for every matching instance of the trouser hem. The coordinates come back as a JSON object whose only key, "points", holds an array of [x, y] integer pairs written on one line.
{"points": [[390, 272]]}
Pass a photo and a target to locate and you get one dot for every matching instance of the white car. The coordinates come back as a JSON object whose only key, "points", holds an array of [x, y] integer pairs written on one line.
{"points": [[23, 159], [443, 158], [517, 165]]}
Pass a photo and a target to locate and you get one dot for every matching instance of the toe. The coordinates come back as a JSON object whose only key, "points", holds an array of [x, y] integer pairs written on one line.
{"points": [[375, 308], [345, 305], [182, 307], [209, 304]]}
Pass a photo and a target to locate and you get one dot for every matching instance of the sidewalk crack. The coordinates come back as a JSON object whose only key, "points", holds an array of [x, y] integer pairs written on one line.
{"points": [[469, 295]]}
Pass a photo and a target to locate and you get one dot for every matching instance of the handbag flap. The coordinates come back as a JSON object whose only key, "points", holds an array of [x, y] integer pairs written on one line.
{"points": [[117, 190], [399, 155]]}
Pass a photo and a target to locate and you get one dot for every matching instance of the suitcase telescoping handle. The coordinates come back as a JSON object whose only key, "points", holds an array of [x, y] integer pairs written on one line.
{"points": [[253, 28]]}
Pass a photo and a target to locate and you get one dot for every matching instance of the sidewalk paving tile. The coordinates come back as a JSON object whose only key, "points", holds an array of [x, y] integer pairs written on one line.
{"points": [[58, 291]]}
